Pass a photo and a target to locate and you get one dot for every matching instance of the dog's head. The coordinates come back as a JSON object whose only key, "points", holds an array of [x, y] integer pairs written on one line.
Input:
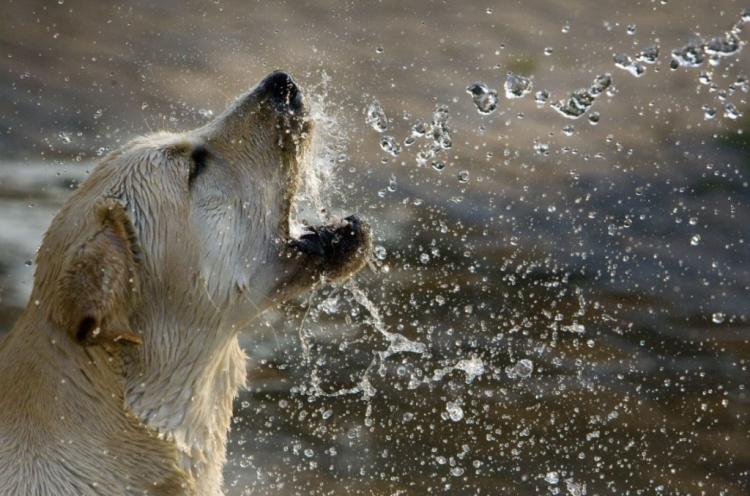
{"points": [[193, 226]]}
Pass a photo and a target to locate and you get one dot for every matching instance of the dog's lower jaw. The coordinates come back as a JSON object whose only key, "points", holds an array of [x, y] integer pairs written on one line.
{"points": [[189, 402]]}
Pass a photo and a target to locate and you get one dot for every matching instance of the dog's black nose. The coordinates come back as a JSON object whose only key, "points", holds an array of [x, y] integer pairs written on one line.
{"points": [[280, 88]]}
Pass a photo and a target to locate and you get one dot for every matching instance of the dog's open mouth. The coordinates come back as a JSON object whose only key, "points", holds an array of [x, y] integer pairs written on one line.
{"points": [[336, 249]]}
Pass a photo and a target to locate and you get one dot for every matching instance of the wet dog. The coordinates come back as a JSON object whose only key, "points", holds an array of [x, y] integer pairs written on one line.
{"points": [[119, 376]]}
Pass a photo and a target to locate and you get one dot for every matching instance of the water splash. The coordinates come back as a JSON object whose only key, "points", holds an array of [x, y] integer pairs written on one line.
{"points": [[328, 145], [517, 86], [627, 63], [581, 100], [485, 98], [397, 344], [376, 118]]}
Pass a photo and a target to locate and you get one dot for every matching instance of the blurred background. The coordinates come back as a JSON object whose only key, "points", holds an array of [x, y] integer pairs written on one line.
{"points": [[555, 305]]}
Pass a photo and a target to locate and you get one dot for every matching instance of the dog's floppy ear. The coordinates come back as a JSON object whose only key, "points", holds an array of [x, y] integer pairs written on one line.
{"points": [[100, 283]]}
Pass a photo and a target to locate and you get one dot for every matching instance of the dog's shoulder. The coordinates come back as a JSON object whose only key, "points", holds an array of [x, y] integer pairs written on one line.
{"points": [[53, 441]]}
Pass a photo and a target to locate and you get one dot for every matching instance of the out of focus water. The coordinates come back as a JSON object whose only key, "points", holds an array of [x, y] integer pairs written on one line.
{"points": [[572, 300]]}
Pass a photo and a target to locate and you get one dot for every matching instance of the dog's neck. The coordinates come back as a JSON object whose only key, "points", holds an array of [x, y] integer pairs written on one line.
{"points": [[185, 393]]}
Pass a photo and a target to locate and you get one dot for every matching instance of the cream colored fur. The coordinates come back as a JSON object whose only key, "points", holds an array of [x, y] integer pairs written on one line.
{"points": [[119, 376]]}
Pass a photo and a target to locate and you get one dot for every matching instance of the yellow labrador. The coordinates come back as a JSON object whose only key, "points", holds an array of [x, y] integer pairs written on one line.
{"points": [[119, 376]]}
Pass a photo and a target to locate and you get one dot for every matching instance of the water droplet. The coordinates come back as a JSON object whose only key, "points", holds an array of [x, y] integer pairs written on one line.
{"points": [[517, 86], [552, 477], [731, 112], [690, 55], [392, 184], [548, 51], [331, 305], [419, 129], [695, 239], [424, 258], [718, 317], [390, 145], [438, 165], [440, 114], [472, 367], [574, 328], [379, 49], [626, 63], [709, 112], [594, 118], [206, 113], [484, 98], [541, 148], [579, 102], [649, 55], [575, 488], [455, 412], [64, 137], [521, 369], [463, 176], [566, 28], [376, 117], [631, 29], [541, 97], [568, 130], [725, 45], [380, 252]]}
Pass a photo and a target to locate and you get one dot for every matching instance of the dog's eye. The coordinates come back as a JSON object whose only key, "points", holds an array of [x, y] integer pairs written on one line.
{"points": [[198, 163]]}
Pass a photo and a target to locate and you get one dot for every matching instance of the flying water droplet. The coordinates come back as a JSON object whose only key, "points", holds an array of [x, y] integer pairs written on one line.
{"points": [[627, 63], [517, 86], [552, 477], [723, 46], [484, 98], [541, 148], [390, 145], [580, 101], [455, 412], [419, 129], [690, 55], [731, 112], [520, 370], [376, 117], [649, 55], [472, 367], [541, 97], [380, 252]]}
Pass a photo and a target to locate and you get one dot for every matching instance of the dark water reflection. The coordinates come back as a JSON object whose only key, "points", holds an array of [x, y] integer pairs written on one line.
{"points": [[616, 263]]}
